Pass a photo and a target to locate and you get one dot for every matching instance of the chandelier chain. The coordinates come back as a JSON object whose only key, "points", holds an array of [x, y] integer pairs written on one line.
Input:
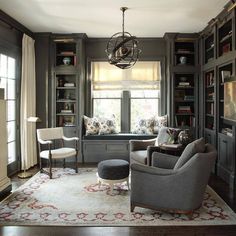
{"points": [[123, 23]]}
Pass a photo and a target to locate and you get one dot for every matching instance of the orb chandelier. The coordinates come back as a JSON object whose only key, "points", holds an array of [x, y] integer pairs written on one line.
{"points": [[122, 48]]}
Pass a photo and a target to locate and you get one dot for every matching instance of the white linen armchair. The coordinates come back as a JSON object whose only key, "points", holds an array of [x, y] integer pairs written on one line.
{"points": [[46, 137]]}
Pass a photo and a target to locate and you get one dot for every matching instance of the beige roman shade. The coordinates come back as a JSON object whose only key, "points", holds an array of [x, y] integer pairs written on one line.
{"points": [[144, 75]]}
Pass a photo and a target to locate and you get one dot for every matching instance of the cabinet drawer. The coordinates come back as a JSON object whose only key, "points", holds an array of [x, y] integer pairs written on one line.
{"points": [[117, 148], [94, 148]]}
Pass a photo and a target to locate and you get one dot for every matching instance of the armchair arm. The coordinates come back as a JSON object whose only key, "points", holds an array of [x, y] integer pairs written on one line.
{"points": [[150, 150], [76, 139], [41, 141], [70, 139], [151, 170], [141, 144], [163, 160]]}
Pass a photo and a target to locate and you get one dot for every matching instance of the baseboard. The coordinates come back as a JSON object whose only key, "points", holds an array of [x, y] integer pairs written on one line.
{"points": [[5, 191]]}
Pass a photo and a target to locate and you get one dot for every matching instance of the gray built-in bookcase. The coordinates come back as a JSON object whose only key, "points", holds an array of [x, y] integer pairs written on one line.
{"points": [[67, 83], [218, 56], [183, 73]]}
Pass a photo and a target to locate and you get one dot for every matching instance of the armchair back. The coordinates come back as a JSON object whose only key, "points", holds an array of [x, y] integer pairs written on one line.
{"points": [[50, 133]]}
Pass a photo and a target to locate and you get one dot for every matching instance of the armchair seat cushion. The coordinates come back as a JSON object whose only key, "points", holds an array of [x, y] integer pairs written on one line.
{"points": [[58, 153], [139, 156]]}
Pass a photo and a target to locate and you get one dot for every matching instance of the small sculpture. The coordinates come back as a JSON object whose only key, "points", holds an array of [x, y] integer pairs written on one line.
{"points": [[184, 137], [66, 60], [183, 60]]}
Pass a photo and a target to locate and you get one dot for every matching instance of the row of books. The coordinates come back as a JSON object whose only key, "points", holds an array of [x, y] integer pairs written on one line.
{"points": [[211, 96], [211, 109], [187, 121], [210, 79]]}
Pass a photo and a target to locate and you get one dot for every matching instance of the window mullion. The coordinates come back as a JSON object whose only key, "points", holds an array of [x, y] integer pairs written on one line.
{"points": [[125, 111]]}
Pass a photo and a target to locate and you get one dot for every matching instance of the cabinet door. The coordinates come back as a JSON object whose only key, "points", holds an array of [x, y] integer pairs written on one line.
{"points": [[226, 154], [210, 138]]}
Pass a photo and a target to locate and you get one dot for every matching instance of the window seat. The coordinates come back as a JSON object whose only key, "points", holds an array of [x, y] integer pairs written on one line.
{"points": [[96, 148]]}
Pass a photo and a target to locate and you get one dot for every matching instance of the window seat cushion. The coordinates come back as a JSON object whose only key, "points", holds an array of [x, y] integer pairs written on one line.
{"points": [[120, 136]]}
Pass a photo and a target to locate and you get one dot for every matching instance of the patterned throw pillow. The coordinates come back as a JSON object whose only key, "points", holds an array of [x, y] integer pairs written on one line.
{"points": [[144, 126], [159, 121], [91, 125], [107, 126]]}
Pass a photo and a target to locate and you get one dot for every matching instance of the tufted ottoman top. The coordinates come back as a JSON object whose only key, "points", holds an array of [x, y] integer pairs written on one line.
{"points": [[113, 169]]}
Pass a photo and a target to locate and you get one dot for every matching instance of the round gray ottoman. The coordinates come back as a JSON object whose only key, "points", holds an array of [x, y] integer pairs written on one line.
{"points": [[113, 171]]}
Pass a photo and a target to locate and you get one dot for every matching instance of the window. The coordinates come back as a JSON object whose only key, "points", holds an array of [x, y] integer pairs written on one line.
{"points": [[8, 82], [106, 104], [143, 103], [127, 94]]}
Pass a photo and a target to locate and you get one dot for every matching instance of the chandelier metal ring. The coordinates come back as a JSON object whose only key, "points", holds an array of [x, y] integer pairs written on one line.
{"points": [[122, 48]]}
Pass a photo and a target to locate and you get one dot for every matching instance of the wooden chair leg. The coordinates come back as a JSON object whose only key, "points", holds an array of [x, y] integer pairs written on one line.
{"points": [[76, 162], [50, 168], [40, 165], [132, 206], [64, 163]]}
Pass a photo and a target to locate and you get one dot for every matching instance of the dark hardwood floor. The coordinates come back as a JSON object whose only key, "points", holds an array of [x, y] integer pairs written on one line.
{"points": [[215, 182]]}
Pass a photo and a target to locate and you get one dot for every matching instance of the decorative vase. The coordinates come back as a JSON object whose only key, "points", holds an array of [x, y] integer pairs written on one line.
{"points": [[66, 60], [183, 60], [171, 140], [184, 137]]}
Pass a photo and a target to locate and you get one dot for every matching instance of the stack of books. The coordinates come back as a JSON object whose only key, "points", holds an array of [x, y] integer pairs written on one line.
{"points": [[184, 84], [67, 53], [188, 97], [69, 85], [184, 109], [66, 111]]}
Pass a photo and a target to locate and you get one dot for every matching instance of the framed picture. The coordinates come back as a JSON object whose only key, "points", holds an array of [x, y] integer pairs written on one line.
{"points": [[230, 100]]}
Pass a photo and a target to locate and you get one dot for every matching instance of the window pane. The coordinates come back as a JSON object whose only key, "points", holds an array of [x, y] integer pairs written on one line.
{"points": [[3, 84], [11, 86], [107, 94], [11, 152], [11, 68], [107, 108], [11, 129], [11, 110], [142, 108], [145, 93], [3, 65]]}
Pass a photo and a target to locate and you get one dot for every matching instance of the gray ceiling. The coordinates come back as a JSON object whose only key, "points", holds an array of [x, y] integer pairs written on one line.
{"points": [[102, 18]]}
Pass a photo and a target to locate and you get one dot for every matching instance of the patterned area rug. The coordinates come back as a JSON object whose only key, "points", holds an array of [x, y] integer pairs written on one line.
{"points": [[75, 200]]}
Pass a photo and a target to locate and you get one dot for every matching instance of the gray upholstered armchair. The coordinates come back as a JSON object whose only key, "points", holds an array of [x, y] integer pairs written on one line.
{"points": [[178, 183], [141, 151]]}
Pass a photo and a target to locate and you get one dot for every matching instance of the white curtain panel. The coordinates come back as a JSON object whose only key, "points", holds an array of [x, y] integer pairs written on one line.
{"points": [[28, 107]]}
